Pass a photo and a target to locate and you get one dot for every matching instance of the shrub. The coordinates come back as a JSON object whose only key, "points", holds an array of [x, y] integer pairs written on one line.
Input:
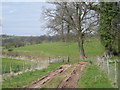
{"points": [[10, 49]]}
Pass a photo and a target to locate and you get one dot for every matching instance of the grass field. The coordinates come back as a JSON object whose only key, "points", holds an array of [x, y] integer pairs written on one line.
{"points": [[28, 77], [93, 77], [16, 65], [55, 49], [115, 58]]}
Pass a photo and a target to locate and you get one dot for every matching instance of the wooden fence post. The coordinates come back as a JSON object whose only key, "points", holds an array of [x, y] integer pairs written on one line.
{"points": [[31, 66], [108, 66], [68, 59], [102, 64], [10, 68], [37, 63], [63, 59], [4, 68], [34, 65], [115, 72], [118, 73], [49, 60], [18, 68], [23, 66]]}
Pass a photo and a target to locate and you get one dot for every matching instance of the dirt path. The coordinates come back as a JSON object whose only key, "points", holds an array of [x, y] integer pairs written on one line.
{"points": [[48, 77], [70, 79]]}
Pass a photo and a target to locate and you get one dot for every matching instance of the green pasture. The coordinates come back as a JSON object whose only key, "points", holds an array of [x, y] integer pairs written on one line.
{"points": [[92, 47], [15, 64]]}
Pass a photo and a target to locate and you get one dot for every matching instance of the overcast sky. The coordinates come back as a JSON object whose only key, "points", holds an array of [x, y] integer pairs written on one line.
{"points": [[23, 18]]}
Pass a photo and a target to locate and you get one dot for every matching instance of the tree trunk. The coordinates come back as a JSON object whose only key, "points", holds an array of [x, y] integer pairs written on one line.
{"points": [[81, 48], [80, 35]]}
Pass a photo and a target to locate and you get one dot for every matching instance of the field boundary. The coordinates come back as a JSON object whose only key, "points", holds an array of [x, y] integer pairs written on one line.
{"points": [[110, 67]]}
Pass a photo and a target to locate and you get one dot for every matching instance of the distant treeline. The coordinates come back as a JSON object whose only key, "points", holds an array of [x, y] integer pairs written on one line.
{"points": [[9, 41], [18, 41]]}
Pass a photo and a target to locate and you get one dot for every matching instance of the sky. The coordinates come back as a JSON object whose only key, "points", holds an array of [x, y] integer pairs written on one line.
{"points": [[23, 18]]}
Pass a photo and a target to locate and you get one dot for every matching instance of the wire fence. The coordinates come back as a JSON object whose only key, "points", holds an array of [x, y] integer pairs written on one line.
{"points": [[111, 68], [59, 59], [14, 69]]}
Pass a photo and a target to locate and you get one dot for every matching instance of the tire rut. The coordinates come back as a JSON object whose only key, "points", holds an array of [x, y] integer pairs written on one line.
{"points": [[47, 77], [71, 80]]}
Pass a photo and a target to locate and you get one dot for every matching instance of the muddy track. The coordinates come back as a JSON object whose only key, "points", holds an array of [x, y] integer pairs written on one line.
{"points": [[47, 77], [71, 80]]}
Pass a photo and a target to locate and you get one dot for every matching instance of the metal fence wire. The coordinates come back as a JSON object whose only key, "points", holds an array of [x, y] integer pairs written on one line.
{"points": [[111, 68]]}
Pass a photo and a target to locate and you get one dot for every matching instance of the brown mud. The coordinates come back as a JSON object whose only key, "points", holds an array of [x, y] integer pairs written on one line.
{"points": [[70, 80]]}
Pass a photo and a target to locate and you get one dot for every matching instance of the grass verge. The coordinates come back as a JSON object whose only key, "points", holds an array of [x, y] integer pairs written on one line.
{"points": [[93, 77]]}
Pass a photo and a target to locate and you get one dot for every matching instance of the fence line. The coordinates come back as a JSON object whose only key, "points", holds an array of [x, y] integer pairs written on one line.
{"points": [[111, 67], [32, 66], [59, 59]]}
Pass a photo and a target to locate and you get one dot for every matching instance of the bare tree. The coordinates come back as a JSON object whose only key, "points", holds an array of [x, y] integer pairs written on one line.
{"points": [[76, 17]]}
